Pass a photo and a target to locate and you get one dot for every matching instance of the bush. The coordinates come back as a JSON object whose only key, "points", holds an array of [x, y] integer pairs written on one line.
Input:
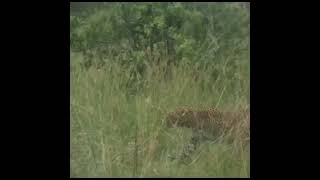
{"points": [[194, 33]]}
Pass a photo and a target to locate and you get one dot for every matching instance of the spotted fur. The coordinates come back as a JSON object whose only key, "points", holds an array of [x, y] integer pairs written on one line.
{"points": [[207, 125]]}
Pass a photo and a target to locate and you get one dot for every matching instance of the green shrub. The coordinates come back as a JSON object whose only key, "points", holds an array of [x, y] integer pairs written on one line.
{"points": [[197, 33]]}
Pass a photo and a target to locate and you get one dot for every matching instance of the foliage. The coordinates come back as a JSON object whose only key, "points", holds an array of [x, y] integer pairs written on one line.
{"points": [[131, 63], [193, 33]]}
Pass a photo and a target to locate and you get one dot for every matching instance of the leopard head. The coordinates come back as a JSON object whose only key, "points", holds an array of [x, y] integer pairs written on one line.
{"points": [[179, 118]]}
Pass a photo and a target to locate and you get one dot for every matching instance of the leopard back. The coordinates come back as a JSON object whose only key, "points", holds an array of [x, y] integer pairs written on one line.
{"points": [[210, 120]]}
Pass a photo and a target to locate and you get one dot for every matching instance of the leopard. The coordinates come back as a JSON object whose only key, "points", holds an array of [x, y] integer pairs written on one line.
{"points": [[208, 125]]}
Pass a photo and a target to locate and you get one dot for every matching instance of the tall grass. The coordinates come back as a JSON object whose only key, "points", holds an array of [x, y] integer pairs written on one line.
{"points": [[116, 133], [121, 94]]}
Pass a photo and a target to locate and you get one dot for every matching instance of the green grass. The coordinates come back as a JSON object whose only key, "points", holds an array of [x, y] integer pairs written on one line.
{"points": [[120, 132]]}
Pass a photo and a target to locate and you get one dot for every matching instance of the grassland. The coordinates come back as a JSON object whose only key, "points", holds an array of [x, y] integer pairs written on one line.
{"points": [[117, 126], [104, 119]]}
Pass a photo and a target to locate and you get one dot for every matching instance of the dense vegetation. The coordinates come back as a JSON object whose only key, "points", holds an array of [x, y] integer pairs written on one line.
{"points": [[131, 63]]}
